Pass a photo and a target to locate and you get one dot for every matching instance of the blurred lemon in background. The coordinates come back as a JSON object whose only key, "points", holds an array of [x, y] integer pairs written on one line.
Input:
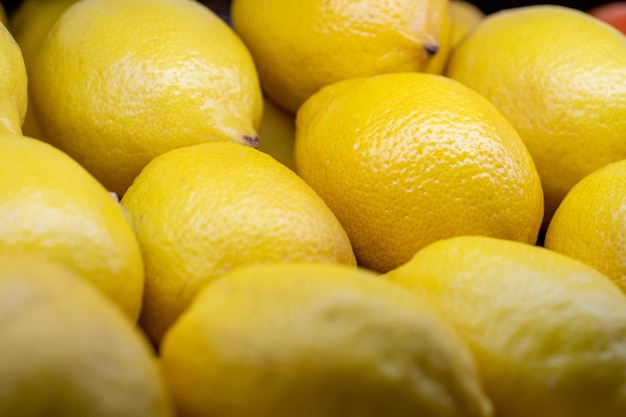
{"points": [[29, 25], [13, 84], [277, 133], [464, 17], [299, 47]]}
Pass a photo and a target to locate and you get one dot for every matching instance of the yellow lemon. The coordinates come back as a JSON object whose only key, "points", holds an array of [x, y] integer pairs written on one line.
{"points": [[29, 25], [547, 331], [313, 340], [590, 223], [51, 208], [299, 47], [118, 82], [13, 84], [277, 133], [202, 210], [559, 76], [68, 352], [464, 17], [407, 159]]}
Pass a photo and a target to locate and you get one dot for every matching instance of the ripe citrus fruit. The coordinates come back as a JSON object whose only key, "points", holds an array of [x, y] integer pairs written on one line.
{"points": [[558, 75], [13, 84], [590, 223], [277, 133], [547, 331], [202, 210], [613, 13], [51, 208], [29, 25], [68, 352], [299, 47], [313, 340], [118, 82], [407, 159], [464, 17]]}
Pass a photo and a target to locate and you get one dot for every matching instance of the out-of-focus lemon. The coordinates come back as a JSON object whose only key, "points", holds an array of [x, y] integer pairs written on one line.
{"points": [[277, 133], [68, 352], [13, 84], [29, 25], [548, 332], [464, 17], [312, 340], [299, 47], [51, 208]]}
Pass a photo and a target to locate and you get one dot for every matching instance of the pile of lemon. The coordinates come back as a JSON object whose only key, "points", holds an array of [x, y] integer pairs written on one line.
{"points": [[322, 209]]}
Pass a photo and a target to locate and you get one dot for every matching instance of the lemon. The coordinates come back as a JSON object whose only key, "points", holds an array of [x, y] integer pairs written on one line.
{"points": [[277, 133], [548, 332], [68, 352], [118, 82], [299, 47], [558, 75], [29, 25], [313, 340], [464, 17], [202, 210], [51, 208], [13, 84], [407, 159], [590, 223]]}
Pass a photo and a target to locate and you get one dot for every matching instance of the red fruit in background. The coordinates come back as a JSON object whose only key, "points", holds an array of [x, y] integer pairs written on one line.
{"points": [[613, 13]]}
